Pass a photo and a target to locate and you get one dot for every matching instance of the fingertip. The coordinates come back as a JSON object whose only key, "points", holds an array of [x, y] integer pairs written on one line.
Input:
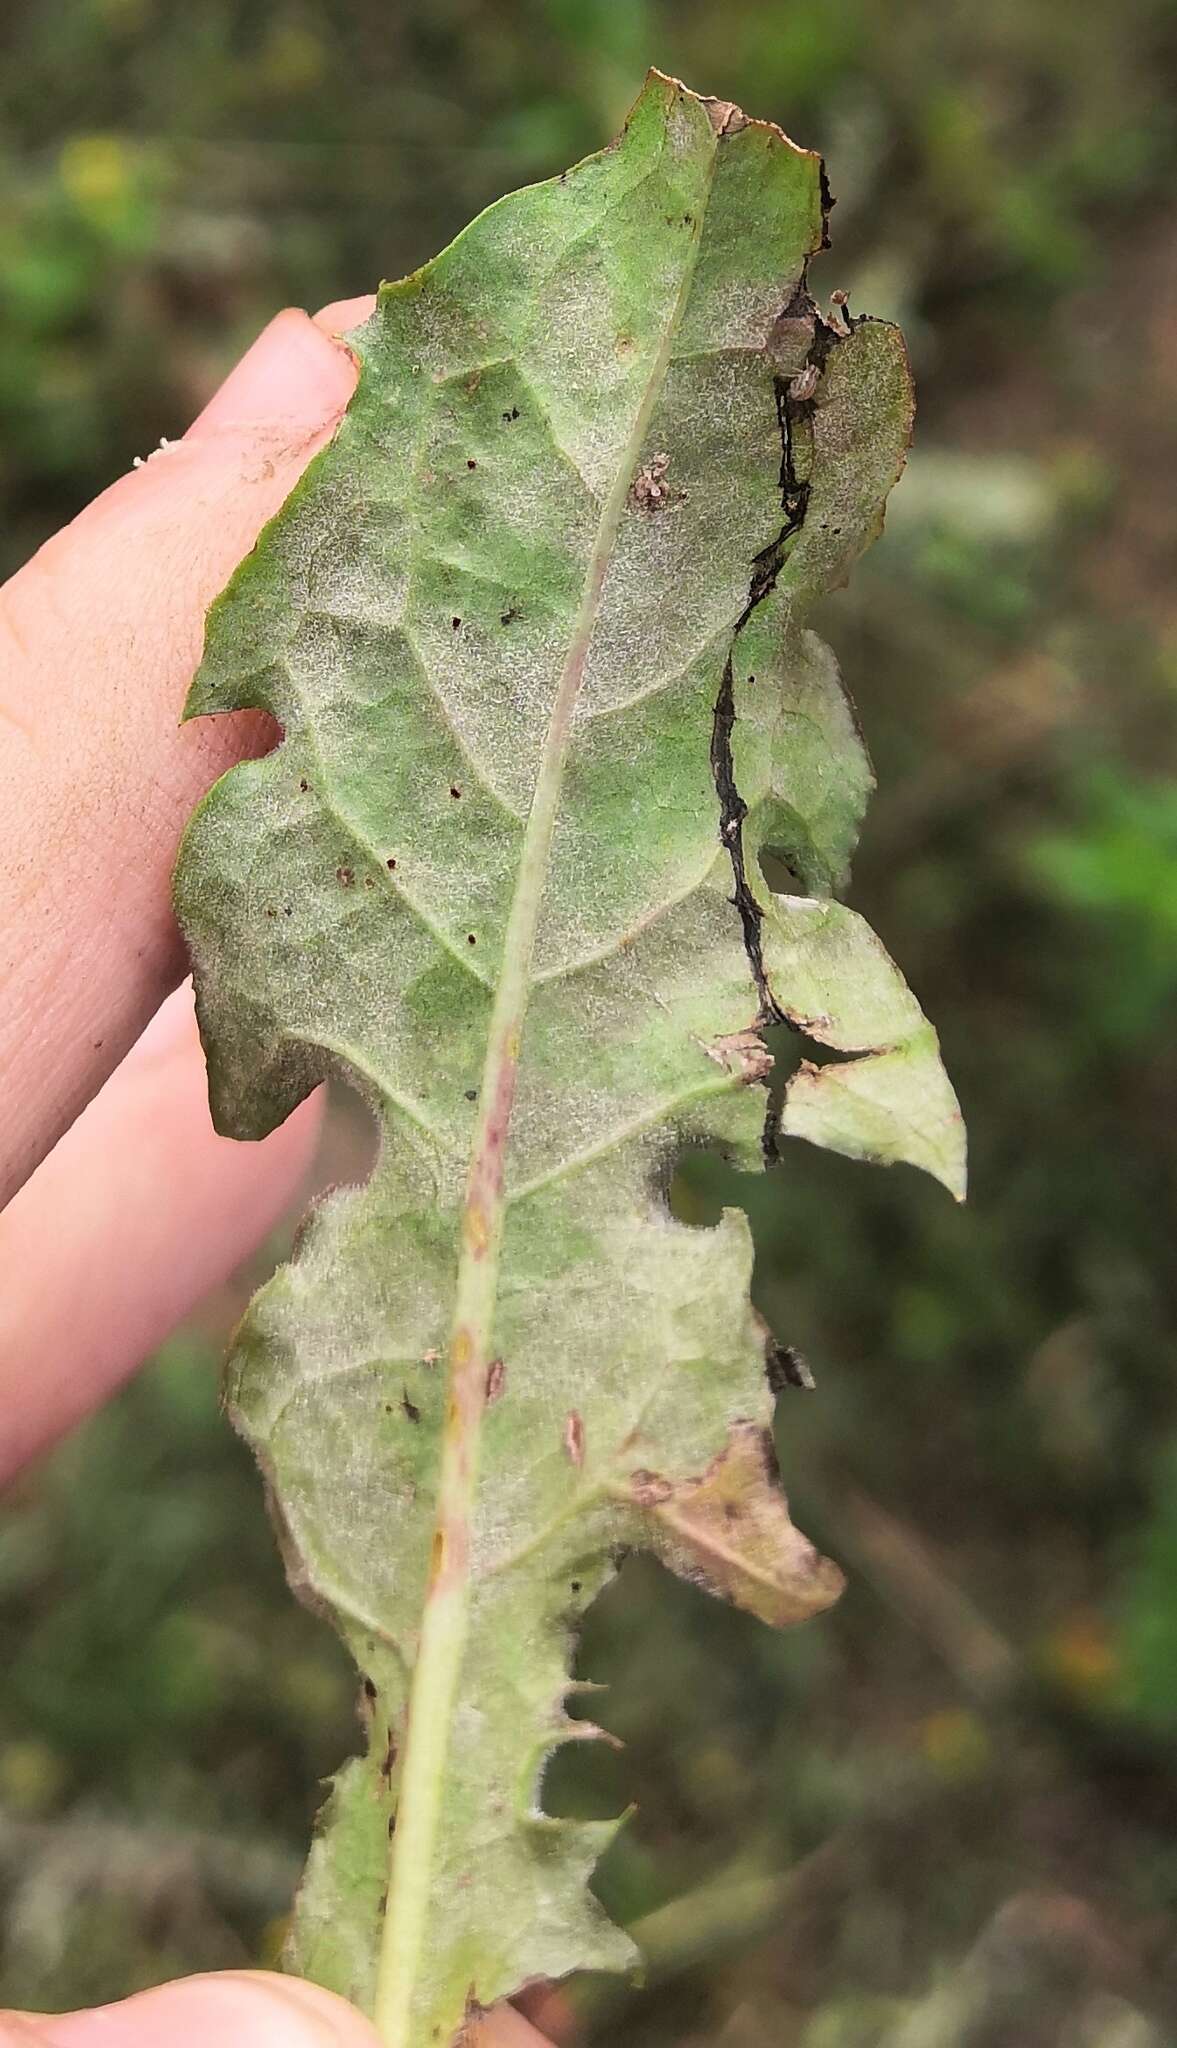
{"points": [[251, 2009], [293, 375]]}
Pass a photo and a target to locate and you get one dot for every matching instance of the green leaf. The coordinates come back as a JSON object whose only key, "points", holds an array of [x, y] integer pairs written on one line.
{"points": [[531, 628]]}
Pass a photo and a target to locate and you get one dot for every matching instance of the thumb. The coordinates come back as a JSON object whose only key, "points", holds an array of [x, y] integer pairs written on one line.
{"points": [[241, 2008]]}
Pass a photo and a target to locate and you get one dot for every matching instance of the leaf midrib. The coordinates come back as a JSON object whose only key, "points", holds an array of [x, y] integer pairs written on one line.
{"points": [[433, 1692]]}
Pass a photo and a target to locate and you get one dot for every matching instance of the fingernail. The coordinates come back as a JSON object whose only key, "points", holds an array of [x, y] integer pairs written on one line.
{"points": [[293, 373]]}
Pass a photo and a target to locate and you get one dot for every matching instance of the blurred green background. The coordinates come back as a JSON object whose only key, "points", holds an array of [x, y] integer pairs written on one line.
{"points": [[947, 1812]]}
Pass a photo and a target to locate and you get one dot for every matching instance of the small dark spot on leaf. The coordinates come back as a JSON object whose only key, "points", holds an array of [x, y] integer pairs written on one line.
{"points": [[410, 1407], [512, 415], [512, 612], [369, 1689], [368, 882], [271, 913], [303, 783], [470, 939], [391, 1826], [784, 1366], [390, 1755], [471, 1094], [455, 623], [346, 876], [470, 462], [454, 790], [390, 862], [576, 1585]]}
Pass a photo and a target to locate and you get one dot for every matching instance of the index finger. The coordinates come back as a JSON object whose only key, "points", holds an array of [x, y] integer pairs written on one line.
{"points": [[99, 637]]}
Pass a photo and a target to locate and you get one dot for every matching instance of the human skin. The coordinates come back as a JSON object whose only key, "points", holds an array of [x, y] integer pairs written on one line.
{"points": [[123, 1205]]}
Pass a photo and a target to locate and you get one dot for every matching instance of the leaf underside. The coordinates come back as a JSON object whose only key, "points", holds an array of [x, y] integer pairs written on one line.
{"points": [[532, 627]]}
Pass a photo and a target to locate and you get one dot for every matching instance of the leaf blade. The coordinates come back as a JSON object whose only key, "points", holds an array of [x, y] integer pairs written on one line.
{"points": [[498, 620]]}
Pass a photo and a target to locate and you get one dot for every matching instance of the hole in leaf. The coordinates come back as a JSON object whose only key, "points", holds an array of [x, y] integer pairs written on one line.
{"points": [[783, 876]]}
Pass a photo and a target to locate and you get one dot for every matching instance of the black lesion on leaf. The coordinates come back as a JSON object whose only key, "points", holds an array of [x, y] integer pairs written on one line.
{"points": [[794, 397], [784, 1366], [410, 1407]]}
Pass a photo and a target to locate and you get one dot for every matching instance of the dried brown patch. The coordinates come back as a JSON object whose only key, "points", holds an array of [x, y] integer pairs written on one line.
{"points": [[731, 1531]]}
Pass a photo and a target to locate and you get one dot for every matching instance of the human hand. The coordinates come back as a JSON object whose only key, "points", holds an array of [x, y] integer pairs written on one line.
{"points": [[140, 1209], [126, 1207], [234, 2009]]}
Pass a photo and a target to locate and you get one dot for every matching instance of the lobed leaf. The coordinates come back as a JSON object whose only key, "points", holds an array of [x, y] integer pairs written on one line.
{"points": [[532, 628]]}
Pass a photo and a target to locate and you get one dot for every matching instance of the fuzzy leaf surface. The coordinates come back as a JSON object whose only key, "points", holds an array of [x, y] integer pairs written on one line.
{"points": [[533, 628]]}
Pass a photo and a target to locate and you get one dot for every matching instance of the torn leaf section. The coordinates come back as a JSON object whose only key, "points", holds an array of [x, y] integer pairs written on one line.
{"points": [[730, 1531], [798, 758], [889, 1107], [833, 978], [893, 1101], [849, 444]]}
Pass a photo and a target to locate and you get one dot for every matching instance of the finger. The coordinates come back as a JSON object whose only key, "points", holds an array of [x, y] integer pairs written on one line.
{"points": [[99, 636], [138, 1211], [266, 2011], [242, 2009]]}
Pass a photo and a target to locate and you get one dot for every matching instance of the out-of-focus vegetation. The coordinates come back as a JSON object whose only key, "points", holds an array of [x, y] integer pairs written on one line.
{"points": [[947, 1813]]}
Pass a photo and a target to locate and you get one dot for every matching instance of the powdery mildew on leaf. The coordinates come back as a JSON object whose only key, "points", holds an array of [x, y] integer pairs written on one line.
{"points": [[532, 625]]}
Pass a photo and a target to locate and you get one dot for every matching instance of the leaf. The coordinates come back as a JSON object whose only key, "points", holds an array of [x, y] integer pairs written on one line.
{"points": [[531, 626]]}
